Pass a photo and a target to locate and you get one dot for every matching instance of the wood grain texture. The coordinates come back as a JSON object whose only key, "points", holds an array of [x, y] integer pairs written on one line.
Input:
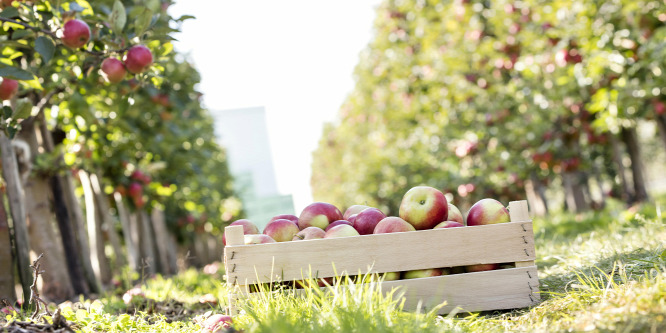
{"points": [[470, 292], [498, 243]]}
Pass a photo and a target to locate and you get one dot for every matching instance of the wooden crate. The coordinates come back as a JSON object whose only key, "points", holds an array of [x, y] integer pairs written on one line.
{"points": [[508, 288]]}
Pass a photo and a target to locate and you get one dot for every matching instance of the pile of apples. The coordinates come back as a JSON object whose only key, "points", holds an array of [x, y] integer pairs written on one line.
{"points": [[422, 207]]}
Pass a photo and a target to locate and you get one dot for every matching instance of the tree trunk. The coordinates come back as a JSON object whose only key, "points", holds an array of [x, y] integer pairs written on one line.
{"points": [[627, 194], [661, 124], [55, 284], [17, 207], [98, 258], [133, 258], [537, 202], [146, 238], [574, 189], [630, 139], [79, 234], [172, 249], [7, 291], [162, 241], [102, 204], [75, 259]]}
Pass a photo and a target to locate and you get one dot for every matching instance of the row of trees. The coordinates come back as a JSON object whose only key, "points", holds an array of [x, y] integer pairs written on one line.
{"points": [[104, 166], [499, 99]]}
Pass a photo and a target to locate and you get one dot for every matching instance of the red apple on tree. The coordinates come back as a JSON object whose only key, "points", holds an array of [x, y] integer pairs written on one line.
{"points": [[138, 59], [354, 209], [75, 33], [338, 222], [342, 230], [424, 207], [487, 211], [281, 230], [258, 239], [318, 214], [135, 190], [392, 224], [249, 228], [366, 221], [8, 88], [113, 69]]}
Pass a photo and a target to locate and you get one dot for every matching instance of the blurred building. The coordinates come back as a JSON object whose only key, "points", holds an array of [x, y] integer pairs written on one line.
{"points": [[244, 134]]}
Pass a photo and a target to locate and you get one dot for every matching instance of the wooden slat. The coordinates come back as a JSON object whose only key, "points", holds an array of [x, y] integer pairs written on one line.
{"points": [[482, 291], [506, 242]]}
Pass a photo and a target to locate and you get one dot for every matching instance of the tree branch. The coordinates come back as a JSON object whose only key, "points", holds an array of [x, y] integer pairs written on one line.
{"points": [[28, 26]]}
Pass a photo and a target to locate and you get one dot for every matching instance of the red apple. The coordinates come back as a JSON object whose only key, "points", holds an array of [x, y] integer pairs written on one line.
{"points": [[309, 233], [352, 218], [135, 190], [487, 211], [481, 267], [422, 273], [75, 33], [216, 323], [342, 230], [455, 215], [392, 224], [318, 214], [8, 88], [292, 218], [138, 59], [449, 224], [354, 209], [366, 221], [249, 228], [258, 239], [113, 69], [281, 230], [338, 222], [424, 207]]}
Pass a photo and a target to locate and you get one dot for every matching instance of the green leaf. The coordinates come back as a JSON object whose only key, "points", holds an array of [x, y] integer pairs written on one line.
{"points": [[7, 111], [21, 34], [9, 12], [15, 73], [185, 17], [118, 17], [23, 109], [143, 21], [12, 129], [45, 47]]}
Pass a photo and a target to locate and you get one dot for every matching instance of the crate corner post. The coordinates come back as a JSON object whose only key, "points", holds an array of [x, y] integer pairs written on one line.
{"points": [[234, 237]]}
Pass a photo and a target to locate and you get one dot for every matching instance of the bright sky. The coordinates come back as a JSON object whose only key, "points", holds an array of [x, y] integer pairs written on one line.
{"points": [[294, 57]]}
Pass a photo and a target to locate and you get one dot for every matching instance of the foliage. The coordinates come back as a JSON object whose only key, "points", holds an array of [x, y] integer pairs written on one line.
{"points": [[149, 129], [477, 97]]}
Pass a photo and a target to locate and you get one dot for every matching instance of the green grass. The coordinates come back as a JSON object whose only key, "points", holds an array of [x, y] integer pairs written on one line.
{"points": [[599, 271]]}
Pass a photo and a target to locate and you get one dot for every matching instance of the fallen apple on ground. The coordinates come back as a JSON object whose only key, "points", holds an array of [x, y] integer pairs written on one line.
{"points": [[424, 207]]}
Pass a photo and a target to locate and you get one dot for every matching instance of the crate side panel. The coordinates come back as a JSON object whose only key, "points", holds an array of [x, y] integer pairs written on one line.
{"points": [[481, 291], [506, 242]]}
